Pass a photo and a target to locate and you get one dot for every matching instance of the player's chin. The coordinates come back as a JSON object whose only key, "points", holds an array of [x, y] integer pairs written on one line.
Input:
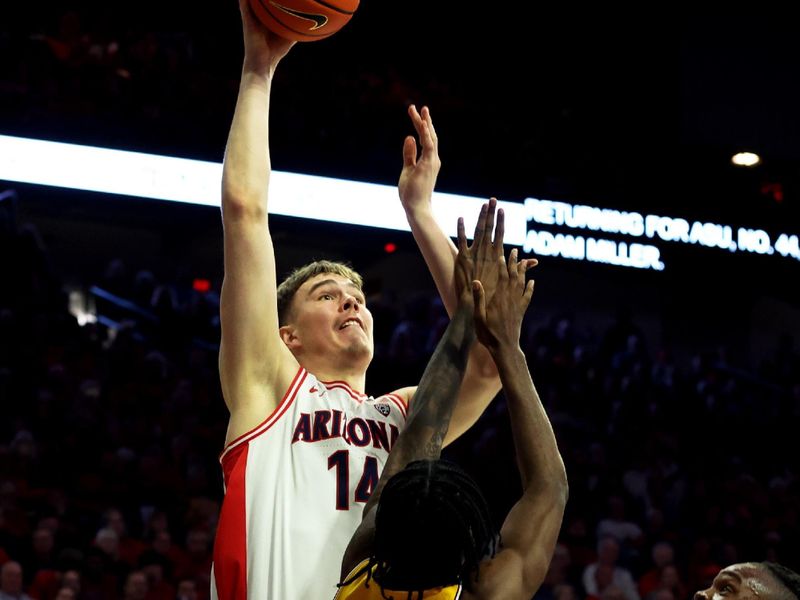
{"points": [[360, 348]]}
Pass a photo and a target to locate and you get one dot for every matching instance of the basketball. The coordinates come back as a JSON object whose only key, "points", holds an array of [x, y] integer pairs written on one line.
{"points": [[304, 20]]}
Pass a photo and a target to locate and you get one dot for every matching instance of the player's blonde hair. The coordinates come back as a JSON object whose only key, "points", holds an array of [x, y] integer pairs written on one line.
{"points": [[288, 288]]}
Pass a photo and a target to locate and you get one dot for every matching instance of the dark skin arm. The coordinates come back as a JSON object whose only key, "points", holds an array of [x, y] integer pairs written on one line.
{"points": [[436, 395], [530, 531]]}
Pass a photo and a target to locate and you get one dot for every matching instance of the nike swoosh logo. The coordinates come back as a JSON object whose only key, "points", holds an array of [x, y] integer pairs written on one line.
{"points": [[318, 20]]}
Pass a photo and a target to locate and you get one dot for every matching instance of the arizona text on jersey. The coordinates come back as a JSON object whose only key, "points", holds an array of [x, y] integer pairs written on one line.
{"points": [[295, 488]]}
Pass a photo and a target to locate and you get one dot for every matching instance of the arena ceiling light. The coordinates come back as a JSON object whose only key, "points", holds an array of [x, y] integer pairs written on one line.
{"points": [[542, 227], [173, 179], [746, 159]]}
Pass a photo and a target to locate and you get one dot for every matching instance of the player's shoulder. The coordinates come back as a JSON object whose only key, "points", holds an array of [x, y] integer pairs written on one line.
{"points": [[403, 396], [502, 577], [406, 393]]}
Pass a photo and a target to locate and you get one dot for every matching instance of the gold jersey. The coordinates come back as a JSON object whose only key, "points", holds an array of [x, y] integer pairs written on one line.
{"points": [[361, 589]]}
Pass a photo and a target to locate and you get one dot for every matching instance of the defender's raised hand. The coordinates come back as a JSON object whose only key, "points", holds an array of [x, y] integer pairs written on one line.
{"points": [[498, 319], [482, 260]]}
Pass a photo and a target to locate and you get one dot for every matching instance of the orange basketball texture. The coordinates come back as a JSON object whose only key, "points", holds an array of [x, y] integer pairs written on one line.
{"points": [[304, 20]]}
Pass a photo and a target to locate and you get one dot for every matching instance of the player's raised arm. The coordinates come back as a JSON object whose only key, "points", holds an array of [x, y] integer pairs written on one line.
{"points": [[417, 181], [416, 185], [429, 417], [255, 366], [530, 531]]}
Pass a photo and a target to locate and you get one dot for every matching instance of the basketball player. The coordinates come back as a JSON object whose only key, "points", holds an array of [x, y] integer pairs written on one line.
{"points": [[427, 532], [305, 446], [753, 581]]}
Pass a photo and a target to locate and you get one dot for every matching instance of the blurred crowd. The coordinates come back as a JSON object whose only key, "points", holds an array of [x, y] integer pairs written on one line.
{"points": [[108, 77], [112, 417], [111, 429], [164, 78]]}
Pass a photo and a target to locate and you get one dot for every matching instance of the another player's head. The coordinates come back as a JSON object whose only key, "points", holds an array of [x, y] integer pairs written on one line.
{"points": [[753, 581], [321, 311], [432, 528]]}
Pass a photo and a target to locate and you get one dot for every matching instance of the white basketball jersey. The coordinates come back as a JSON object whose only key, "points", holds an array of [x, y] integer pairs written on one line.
{"points": [[295, 489]]}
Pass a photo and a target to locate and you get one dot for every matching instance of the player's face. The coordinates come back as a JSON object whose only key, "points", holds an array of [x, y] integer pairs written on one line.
{"points": [[329, 315], [744, 581]]}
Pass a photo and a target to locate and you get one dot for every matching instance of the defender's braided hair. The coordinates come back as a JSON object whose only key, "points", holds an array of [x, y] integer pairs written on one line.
{"points": [[789, 578], [432, 528]]}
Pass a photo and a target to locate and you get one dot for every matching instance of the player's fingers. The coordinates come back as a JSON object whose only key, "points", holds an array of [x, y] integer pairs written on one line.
{"points": [[522, 267], [414, 113], [426, 115], [526, 297], [479, 301], [416, 119], [486, 242], [462, 236], [499, 231], [513, 261], [519, 280], [409, 151], [480, 225], [426, 139], [248, 18]]}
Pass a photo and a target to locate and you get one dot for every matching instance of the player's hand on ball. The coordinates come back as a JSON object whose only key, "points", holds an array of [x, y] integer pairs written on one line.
{"points": [[262, 48]]}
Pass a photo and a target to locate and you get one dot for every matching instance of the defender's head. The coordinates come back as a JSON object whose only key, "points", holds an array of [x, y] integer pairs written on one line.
{"points": [[432, 528], [322, 312], [753, 581]]}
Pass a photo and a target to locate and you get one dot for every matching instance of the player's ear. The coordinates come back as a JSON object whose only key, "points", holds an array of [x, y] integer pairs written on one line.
{"points": [[289, 336]]}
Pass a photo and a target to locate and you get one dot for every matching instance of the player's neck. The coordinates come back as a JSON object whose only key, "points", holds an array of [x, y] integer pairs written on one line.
{"points": [[354, 380], [354, 376]]}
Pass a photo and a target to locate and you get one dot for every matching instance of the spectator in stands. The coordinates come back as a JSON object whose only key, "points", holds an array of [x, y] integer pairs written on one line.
{"points": [[42, 554], [159, 574], [198, 561], [662, 554], [565, 591], [65, 593], [617, 525], [605, 572], [670, 581], [11, 582], [136, 586], [187, 590]]}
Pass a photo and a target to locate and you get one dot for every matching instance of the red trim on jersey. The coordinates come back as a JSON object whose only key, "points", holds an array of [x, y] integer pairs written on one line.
{"points": [[273, 417], [398, 401], [230, 543], [402, 400], [346, 388]]}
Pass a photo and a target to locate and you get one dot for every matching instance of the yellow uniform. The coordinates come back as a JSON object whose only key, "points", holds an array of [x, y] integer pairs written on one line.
{"points": [[361, 590]]}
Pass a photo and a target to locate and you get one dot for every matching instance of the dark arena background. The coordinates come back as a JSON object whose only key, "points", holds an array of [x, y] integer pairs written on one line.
{"points": [[674, 389]]}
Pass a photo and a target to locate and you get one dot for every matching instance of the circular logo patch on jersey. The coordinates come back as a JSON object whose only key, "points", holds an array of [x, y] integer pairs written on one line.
{"points": [[384, 409]]}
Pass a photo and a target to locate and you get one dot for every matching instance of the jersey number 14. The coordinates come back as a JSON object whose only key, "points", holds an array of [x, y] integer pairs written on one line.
{"points": [[339, 461]]}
